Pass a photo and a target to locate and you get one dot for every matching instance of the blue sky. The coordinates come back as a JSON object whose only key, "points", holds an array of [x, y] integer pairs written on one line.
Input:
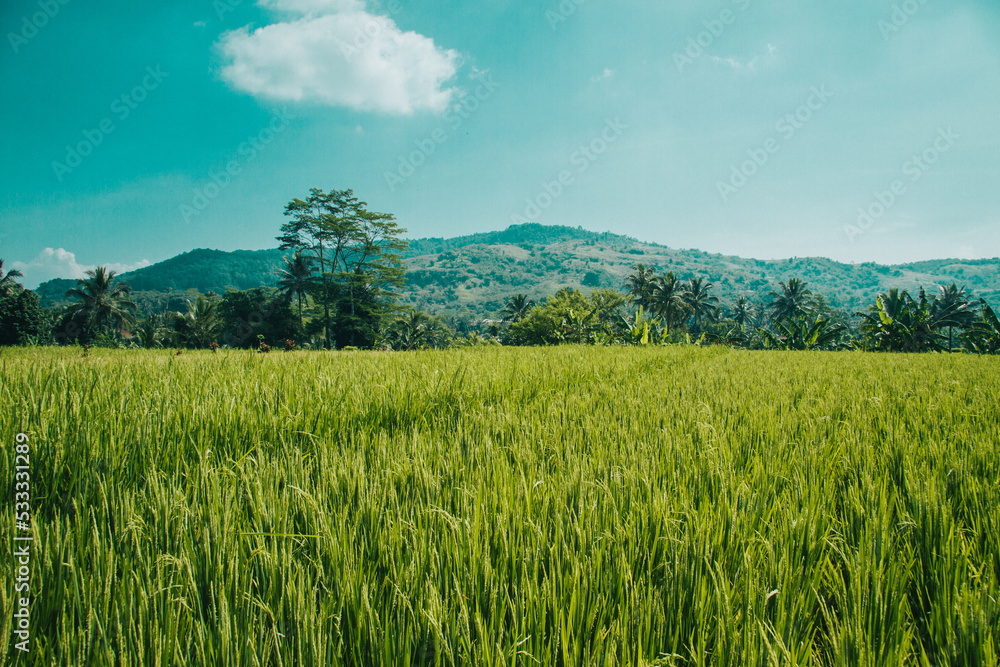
{"points": [[859, 130]]}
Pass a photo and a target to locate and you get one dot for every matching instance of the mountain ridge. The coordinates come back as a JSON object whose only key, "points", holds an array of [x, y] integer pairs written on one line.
{"points": [[470, 275]]}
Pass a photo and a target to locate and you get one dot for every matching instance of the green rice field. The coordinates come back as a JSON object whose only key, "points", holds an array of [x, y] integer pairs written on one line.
{"points": [[499, 506]]}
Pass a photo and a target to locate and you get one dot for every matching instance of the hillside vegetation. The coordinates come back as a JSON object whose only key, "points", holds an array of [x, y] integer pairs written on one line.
{"points": [[469, 277]]}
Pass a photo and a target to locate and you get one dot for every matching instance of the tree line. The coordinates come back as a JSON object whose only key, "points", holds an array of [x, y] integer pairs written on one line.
{"points": [[340, 285]]}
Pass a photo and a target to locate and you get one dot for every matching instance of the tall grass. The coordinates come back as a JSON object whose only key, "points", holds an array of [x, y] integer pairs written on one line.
{"points": [[563, 506]]}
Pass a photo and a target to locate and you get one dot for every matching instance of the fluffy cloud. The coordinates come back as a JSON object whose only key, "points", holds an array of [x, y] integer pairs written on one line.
{"points": [[334, 52], [60, 263]]}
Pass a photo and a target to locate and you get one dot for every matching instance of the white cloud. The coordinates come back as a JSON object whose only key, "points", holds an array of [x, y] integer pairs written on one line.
{"points": [[61, 263], [769, 56], [606, 74], [334, 52]]}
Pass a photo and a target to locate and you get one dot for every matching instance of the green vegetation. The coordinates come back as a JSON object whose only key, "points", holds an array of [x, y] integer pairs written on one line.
{"points": [[468, 278], [549, 506]]}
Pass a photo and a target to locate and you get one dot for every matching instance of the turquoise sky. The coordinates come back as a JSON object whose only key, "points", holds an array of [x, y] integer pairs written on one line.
{"points": [[861, 131]]}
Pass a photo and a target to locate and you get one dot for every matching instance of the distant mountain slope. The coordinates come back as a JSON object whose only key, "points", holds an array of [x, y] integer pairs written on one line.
{"points": [[470, 276]]}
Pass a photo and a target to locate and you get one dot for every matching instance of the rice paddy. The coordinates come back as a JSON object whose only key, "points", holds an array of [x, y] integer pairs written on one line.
{"points": [[499, 506]]}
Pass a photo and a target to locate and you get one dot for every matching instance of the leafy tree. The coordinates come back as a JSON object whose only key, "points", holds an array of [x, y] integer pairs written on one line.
{"points": [[700, 302], [516, 308], [248, 314], [297, 279], [640, 284], [794, 302], [358, 252], [22, 320], [101, 303]]}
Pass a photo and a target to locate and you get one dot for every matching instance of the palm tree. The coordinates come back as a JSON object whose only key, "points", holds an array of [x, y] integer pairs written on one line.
{"points": [[148, 332], [101, 303], [7, 282], [698, 300], [200, 324], [794, 302], [899, 323], [640, 284], [516, 308], [410, 332], [952, 309], [743, 312], [667, 299], [296, 279]]}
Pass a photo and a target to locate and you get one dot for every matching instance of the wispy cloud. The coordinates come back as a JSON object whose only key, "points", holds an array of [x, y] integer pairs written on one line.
{"points": [[768, 56], [606, 74], [336, 53]]}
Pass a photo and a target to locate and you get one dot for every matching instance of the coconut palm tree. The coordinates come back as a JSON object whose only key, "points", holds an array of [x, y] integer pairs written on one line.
{"points": [[667, 299], [952, 309], [101, 303], [743, 312], [7, 281], [516, 308], [640, 284], [200, 324], [795, 301], [698, 300], [296, 279]]}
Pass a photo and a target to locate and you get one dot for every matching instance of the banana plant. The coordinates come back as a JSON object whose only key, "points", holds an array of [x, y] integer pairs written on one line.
{"points": [[642, 329], [899, 323], [800, 334], [984, 336]]}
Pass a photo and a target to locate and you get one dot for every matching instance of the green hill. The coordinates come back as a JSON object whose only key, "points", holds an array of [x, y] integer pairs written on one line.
{"points": [[470, 276]]}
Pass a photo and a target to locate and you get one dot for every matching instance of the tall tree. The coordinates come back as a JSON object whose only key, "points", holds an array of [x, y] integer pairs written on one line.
{"points": [[297, 279], [640, 284], [742, 312], [700, 302], [7, 281], [793, 302], [951, 308], [101, 303], [667, 299], [200, 325], [516, 308], [358, 252]]}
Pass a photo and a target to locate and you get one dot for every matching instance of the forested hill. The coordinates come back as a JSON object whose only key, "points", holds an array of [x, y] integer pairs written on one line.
{"points": [[470, 276]]}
